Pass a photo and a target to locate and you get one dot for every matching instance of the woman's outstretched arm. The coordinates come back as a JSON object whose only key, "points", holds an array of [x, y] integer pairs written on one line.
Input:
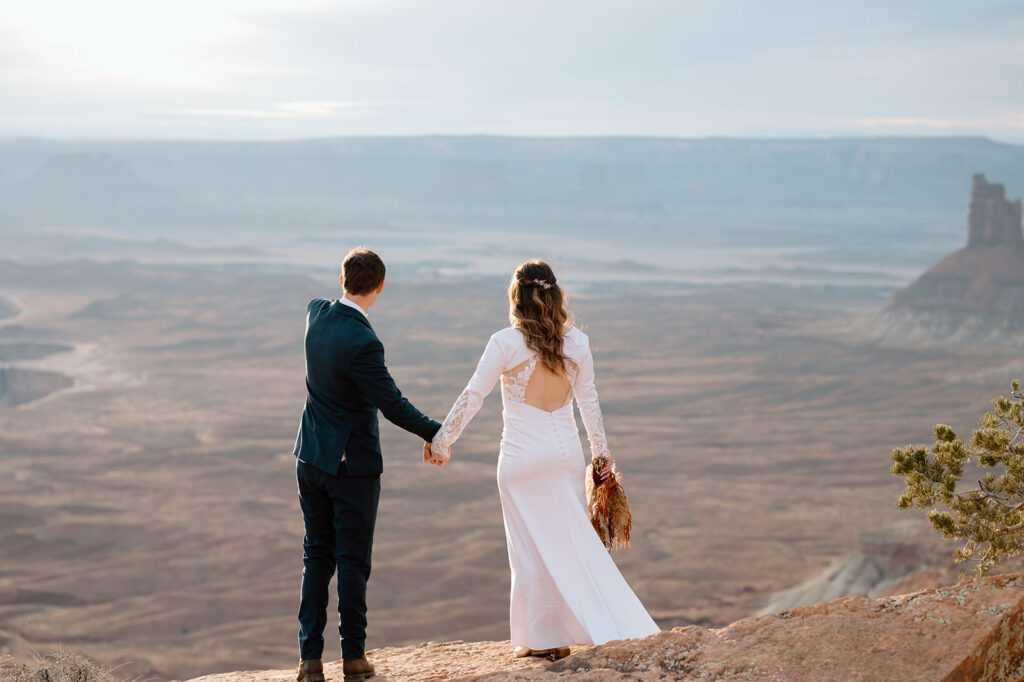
{"points": [[487, 373]]}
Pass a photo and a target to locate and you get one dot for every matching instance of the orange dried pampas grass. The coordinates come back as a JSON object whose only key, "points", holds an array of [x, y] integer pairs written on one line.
{"points": [[609, 510]]}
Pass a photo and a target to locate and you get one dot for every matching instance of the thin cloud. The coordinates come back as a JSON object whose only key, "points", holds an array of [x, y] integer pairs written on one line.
{"points": [[966, 124], [298, 109], [906, 123], [577, 67]]}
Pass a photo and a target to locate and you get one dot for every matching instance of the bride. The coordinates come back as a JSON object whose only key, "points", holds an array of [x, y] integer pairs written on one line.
{"points": [[565, 587]]}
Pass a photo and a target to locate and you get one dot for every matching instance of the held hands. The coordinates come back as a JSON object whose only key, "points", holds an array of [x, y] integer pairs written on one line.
{"points": [[607, 470], [430, 457]]}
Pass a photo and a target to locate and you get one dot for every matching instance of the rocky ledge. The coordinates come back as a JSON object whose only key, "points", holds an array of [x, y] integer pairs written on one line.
{"points": [[971, 631]]}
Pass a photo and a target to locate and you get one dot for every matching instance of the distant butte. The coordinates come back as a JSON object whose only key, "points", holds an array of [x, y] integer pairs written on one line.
{"points": [[993, 219], [975, 294], [987, 275]]}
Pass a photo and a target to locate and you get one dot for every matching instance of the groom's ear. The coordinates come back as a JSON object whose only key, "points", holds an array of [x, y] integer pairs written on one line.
{"points": [[341, 281], [381, 287]]}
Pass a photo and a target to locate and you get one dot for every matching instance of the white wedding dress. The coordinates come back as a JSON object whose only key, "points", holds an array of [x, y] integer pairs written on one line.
{"points": [[565, 587]]}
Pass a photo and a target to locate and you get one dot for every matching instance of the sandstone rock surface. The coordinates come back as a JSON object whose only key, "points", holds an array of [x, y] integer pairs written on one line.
{"points": [[427, 661], [973, 631]]}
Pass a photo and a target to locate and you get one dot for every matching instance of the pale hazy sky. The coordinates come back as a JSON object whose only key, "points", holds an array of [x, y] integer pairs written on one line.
{"points": [[265, 69]]}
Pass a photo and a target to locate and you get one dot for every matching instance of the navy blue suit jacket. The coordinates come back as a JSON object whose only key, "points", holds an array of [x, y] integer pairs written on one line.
{"points": [[346, 383]]}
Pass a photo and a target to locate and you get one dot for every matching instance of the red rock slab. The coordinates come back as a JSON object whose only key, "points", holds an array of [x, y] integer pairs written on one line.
{"points": [[418, 663], [972, 631]]}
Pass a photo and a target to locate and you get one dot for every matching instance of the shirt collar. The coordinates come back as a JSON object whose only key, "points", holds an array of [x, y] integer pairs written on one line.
{"points": [[353, 304]]}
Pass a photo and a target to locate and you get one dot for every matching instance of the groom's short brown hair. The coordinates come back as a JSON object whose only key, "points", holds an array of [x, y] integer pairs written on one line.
{"points": [[363, 271]]}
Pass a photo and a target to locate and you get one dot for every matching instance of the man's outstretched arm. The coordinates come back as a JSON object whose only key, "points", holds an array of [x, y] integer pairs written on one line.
{"points": [[374, 380]]}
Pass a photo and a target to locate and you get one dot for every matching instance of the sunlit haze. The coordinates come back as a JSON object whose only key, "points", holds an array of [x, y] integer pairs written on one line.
{"points": [[260, 69]]}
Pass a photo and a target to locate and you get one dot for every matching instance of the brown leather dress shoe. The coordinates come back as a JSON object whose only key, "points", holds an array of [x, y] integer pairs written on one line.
{"points": [[310, 670], [356, 669], [560, 652], [550, 654]]}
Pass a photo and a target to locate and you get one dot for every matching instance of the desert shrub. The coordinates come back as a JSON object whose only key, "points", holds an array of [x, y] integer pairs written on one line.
{"points": [[60, 666], [988, 518]]}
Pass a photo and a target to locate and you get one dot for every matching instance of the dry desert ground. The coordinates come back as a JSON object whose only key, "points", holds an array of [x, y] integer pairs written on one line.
{"points": [[148, 510]]}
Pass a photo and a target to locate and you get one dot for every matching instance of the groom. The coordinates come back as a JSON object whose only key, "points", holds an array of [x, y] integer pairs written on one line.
{"points": [[339, 462]]}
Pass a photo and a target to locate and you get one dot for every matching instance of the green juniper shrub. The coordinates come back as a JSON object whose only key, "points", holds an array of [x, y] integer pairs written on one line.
{"points": [[987, 518]]}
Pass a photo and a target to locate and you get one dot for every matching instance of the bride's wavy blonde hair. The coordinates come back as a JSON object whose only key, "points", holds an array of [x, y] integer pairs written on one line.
{"points": [[538, 308]]}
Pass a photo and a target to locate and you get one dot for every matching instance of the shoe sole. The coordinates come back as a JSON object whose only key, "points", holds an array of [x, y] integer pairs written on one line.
{"points": [[359, 676], [549, 654]]}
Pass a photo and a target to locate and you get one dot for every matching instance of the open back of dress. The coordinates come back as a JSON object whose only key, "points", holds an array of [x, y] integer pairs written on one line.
{"points": [[541, 387]]}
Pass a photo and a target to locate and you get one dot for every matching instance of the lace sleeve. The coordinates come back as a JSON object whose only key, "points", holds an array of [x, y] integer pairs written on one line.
{"points": [[590, 409], [487, 373]]}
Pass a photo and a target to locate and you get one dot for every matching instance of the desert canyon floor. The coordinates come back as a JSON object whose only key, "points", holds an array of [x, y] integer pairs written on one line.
{"points": [[147, 492]]}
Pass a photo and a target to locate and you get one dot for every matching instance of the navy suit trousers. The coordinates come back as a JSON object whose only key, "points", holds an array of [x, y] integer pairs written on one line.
{"points": [[339, 512]]}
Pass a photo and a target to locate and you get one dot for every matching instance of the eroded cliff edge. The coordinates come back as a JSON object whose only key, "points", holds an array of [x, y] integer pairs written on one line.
{"points": [[970, 631]]}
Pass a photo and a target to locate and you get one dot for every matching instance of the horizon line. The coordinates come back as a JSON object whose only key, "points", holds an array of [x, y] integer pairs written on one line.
{"points": [[511, 136]]}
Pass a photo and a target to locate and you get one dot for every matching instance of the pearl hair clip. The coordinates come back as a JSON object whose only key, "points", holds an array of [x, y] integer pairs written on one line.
{"points": [[542, 283]]}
